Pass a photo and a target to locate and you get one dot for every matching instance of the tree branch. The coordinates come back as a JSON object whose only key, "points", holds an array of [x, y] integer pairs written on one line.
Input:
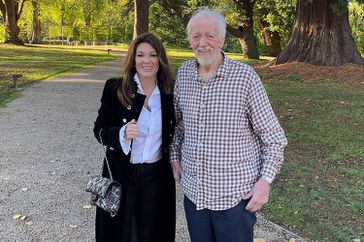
{"points": [[236, 32], [2, 9], [21, 9]]}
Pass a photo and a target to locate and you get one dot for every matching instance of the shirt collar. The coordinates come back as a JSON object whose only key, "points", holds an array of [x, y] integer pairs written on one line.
{"points": [[140, 87]]}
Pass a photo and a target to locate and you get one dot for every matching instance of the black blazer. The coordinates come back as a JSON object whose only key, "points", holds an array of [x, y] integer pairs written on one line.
{"points": [[111, 117]]}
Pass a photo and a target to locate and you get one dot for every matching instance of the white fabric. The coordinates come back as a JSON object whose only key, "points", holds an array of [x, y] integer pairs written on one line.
{"points": [[147, 144]]}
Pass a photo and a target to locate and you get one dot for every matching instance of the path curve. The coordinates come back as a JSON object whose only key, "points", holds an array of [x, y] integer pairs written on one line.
{"points": [[47, 154]]}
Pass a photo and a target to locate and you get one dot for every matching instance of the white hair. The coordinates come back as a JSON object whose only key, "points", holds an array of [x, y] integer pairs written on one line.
{"points": [[204, 12]]}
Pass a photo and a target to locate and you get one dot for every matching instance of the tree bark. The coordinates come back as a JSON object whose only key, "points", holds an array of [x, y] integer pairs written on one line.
{"points": [[320, 36], [272, 39], [141, 21], [244, 32], [36, 28], [87, 12], [11, 12]]}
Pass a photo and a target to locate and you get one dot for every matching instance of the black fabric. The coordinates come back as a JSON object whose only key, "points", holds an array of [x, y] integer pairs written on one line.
{"points": [[111, 117]]}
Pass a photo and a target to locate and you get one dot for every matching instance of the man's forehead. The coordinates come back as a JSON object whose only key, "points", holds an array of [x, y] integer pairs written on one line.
{"points": [[203, 24]]}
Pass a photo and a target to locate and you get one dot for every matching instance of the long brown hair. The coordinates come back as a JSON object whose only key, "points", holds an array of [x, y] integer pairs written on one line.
{"points": [[164, 75]]}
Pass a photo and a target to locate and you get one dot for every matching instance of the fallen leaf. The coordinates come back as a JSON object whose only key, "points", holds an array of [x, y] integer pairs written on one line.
{"points": [[16, 216], [259, 240], [29, 223], [72, 226], [356, 240], [291, 240], [53, 173], [52, 161], [23, 217], [6, 178], [87, 206], [24, 189]]}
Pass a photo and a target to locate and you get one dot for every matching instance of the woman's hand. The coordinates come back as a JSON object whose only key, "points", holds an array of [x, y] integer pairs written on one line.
{"points": [[131, 130]]}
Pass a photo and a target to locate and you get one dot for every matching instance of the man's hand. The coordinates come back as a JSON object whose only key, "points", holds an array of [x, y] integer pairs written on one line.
{"points": [[177, 171], [259, 195], [131, 130]]}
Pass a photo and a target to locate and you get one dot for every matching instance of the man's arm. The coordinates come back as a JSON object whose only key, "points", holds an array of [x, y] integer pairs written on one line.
{"points": [[178, 138], [272, 142]]}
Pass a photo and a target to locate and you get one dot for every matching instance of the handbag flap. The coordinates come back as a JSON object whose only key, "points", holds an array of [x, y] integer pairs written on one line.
{"points": [[100, 185]]}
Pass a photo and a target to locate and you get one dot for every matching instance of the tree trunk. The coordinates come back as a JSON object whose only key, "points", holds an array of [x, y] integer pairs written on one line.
{"points": [[36, 28], [10, 13], [272, 39], [245, 31], [141, 17], [87, 12], [320, 36]]}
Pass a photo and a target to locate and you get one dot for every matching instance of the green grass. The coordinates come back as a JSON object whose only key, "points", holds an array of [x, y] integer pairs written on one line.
{"points": [[319, 192], [39, 62]]}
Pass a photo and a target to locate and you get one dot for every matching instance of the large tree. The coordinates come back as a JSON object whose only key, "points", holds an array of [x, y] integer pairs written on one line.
{"points": [[274, 19], [11, 11], [245, 28], [36, 37], [141, 12], [321, 35], [141, 22]]}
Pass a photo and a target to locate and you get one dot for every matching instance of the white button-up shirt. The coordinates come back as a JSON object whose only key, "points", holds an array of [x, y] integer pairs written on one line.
{"points": [[147, 144]]}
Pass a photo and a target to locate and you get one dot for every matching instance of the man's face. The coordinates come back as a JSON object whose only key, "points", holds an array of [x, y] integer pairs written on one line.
{"points": [[205, 41]]}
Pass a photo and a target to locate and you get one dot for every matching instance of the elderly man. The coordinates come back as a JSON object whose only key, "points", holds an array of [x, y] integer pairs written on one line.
{"points": [[228, 144]]}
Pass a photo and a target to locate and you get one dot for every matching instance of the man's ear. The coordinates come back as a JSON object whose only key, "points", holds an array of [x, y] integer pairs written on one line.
{"points": [[221, 42]]}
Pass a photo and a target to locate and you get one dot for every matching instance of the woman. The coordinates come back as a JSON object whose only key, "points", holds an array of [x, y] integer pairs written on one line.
{"points": [[136, 123]]}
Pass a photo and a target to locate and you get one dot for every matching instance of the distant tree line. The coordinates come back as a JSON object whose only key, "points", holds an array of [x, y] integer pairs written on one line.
{"points": [[320, 32]]}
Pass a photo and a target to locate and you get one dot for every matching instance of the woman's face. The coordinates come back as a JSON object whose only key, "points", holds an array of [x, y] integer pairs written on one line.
{"points": [[146, 61]]}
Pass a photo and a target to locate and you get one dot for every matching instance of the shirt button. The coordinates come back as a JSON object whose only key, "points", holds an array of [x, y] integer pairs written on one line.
{"points": [[170, 135], [128, 107], [171, 122], [132, 95], [124, 120]]}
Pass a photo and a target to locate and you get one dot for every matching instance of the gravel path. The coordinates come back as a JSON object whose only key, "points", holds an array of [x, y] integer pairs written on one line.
{"points": [[47, 154]]}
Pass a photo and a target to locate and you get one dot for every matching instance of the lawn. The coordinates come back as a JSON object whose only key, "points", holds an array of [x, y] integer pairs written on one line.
{"points": [[38, 62], [319, 192]]}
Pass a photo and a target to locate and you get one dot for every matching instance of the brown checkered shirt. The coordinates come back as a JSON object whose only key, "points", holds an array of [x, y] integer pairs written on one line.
{"points": [[227, 135]]}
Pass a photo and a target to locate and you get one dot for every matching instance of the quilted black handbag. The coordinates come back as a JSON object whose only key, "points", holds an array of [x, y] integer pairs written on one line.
{"points": [[105, 192]]}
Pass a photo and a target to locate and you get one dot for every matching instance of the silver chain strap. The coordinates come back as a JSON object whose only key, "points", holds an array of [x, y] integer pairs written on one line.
{"points": [[107, 161]]}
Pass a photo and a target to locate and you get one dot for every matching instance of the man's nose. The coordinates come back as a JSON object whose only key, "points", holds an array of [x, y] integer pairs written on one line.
{"points": [[203, 41]]}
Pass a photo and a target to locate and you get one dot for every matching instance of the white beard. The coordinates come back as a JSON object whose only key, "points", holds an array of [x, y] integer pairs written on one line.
{"points": [[206, 60]]}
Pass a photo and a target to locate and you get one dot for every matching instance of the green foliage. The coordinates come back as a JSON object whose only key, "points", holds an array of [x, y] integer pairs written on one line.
{"points": [[356, 18], [280, 16]]}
